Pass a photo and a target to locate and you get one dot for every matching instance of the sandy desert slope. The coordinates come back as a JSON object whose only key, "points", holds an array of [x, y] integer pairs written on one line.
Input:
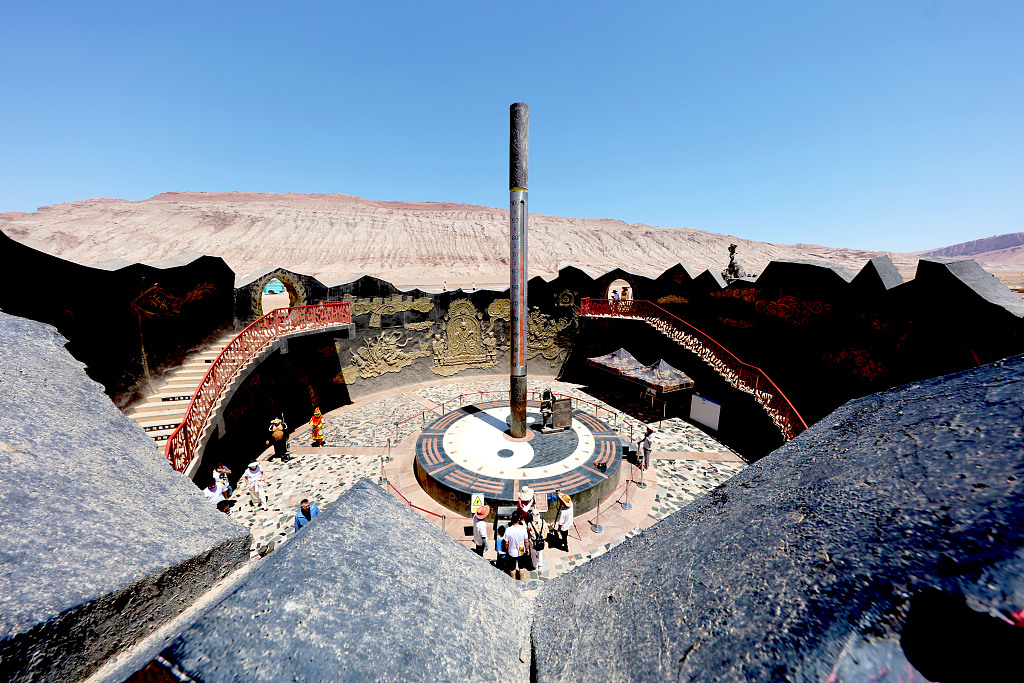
{"points": [[335, 237]]}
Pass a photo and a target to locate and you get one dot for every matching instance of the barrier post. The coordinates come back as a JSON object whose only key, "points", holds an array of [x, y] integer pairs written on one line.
{"points": [[595, 526], [626, 505]]}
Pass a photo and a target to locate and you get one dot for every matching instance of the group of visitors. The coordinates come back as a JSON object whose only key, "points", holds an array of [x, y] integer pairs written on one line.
{"points": [[520, 545]]}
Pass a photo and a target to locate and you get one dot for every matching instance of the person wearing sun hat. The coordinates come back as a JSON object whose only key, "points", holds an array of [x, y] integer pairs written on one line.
{"points": [[257, 484], [525, 502], [564, 521], [480, 529]]}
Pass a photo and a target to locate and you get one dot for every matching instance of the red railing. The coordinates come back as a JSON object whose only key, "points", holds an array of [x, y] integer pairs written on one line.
{"points": [[184, 442], [743, 376]]}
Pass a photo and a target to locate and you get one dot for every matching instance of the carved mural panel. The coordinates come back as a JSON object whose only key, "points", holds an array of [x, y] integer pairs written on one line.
{"points": [[377, 306], [466, 338], [384, 353]]}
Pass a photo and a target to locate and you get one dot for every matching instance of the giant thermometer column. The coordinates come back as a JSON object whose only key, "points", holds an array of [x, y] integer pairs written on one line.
{"points": [[518, 163]]}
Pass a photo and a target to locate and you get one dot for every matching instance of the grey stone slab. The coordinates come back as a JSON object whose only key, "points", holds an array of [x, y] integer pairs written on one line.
{"points": [[895, 516], [100, 540], [369, 590], [878, 275], [969, 274]]}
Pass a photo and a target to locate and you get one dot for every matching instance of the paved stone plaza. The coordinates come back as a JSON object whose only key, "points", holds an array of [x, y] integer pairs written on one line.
{"points": [[689, 463]]}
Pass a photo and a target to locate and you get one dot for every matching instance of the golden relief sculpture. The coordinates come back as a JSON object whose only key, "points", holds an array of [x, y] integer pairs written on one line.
{"points": [[381, 306], [465, 340], [381, 354], [464, 345]]}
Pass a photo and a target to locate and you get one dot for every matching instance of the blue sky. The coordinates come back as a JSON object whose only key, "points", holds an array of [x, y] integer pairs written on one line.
{"points": [[876, 125]]}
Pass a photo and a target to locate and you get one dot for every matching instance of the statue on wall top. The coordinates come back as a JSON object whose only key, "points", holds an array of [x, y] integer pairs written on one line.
{"points": [[734, 271]]}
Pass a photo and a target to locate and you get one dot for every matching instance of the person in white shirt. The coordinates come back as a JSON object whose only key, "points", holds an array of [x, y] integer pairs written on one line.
{"points": [[257, 484], [480, 529], [215, 492], [564, 521], [517, 540]]}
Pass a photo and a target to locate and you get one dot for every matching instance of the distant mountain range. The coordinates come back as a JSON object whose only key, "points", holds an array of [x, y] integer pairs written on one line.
{"points": [[1000, 249], [336, 237]]}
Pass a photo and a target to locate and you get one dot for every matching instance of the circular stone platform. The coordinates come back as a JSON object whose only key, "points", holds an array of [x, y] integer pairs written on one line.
{"points": [[470, 450]]}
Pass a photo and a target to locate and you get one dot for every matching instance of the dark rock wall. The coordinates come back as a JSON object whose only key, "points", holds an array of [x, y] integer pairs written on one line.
{"points": [[100, 311], [886, 536], [101, 540]]}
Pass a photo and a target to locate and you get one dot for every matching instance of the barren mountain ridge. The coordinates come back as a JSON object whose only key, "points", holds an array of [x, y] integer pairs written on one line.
{"points": [[336, 237]]}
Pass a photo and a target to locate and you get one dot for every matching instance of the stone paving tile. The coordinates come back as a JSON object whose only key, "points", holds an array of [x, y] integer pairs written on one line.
{"points": [[324, 474]]}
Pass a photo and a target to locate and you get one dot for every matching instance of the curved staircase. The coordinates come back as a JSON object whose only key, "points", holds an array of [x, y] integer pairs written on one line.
{"points": [[160, 413], [740, 375]]}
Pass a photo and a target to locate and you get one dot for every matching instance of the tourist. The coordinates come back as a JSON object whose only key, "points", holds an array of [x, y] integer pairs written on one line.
{"points": [[645, 449], [305, 514], [517, 541], [317, 422], [537, 529], [220, 475], [499, 548], [444, 286], [615, 295], [224, 506], [279, 438], [564, 521], [257, 485], [480, 529], [625, 293], [525, 504], [215, 492]]}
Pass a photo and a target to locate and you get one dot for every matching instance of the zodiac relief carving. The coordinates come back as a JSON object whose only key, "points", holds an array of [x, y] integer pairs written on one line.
{"points": [[381, 306], [383, 353]]}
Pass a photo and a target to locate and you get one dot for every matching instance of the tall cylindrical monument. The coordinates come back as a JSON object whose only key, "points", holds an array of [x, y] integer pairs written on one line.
{"points": [[518, 164]]}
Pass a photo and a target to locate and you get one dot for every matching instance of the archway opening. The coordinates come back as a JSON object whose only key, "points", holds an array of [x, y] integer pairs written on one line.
{"points": [[274, 295], [621, 287]]}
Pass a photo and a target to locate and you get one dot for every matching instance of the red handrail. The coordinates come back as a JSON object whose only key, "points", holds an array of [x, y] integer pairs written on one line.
{"points": [[743, 376], [184, 442]]}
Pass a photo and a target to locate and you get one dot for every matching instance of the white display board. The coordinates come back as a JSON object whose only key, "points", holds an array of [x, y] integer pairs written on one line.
{"points": [[705, 411]]}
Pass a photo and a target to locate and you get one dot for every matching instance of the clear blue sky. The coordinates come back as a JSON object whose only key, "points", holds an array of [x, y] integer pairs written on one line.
{"points": [[878, 125]]}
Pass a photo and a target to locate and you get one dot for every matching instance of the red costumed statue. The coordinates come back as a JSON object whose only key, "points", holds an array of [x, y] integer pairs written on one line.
{"points": [[318, 423]]}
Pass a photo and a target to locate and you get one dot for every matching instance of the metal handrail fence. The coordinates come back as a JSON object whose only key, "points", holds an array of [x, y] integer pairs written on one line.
{"points": [[743, 376], [531, 395], [184, 442]]}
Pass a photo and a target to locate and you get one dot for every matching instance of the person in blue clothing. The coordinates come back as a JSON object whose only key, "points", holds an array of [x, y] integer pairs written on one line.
{"points": [[305, 514], [499, 546]]}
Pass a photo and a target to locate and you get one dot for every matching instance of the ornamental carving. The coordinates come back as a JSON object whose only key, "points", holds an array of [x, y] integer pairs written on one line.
{"points": [[420, 326], [856, 362], [377, 306], [464, 344], [382, 354], [793, 310], [673, 299], [789, 309], [543, 335]]}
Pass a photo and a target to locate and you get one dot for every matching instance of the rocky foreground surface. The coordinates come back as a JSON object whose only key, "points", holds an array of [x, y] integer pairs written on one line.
{"points": [[335, 237]]}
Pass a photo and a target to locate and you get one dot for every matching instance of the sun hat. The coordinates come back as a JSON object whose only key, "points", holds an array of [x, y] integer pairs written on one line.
{"points": [[526, 494], [483, 511], [253, 465], [565, 499]]}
